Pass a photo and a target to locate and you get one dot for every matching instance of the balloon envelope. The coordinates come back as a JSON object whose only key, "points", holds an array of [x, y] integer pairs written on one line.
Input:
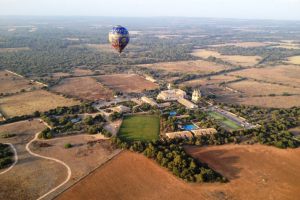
{"points": [[119, 38]]}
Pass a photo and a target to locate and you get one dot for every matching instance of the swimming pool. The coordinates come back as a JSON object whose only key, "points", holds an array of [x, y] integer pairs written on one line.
{"points": [[172, 113], [189, 127]]}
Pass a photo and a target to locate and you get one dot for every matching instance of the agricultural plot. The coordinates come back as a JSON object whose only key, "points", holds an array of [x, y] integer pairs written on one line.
{"points": [[87, 152], [197, 66], [86, 88], [270, 101], [294, 60], [283, 74], [31, 177], [7, 50], [213, 80], [28, 102], [224, 121], [254, 88], [139, 128], [11, 83], [82, 72], [127, 83], [256, 168], [243, 44], [233, 59]]}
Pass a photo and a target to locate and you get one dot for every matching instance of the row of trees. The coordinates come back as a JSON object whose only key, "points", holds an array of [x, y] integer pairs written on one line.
{"points": [[5, 155], [173, 157]]}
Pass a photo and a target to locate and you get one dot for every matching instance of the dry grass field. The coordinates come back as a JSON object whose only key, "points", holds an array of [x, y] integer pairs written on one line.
{"points": [[86, 88], [87, 153], [131, 176], [10, 83], [31, 177], [82, 72], [285, 74], [197, 66], [252, 88], [233, 59], [264, 172], [270, 102], [5, 50], [257, 169], [29, 102], [209, 81], [294, 60], [126, 83], [242, 44]]}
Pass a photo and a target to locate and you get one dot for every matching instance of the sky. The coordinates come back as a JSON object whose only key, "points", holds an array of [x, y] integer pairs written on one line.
{"points": [[241, 9]]}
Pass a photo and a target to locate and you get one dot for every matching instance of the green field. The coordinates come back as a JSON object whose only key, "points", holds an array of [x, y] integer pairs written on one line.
{"points": [[139, 128], [225, 121]]}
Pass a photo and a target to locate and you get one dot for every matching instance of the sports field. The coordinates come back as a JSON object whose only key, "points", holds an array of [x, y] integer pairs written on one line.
{"points": [[139, 127], [225, 121]]}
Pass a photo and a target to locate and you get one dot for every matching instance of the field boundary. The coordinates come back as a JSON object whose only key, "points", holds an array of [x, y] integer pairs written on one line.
{"points": [[88, 174], [15, 159]]}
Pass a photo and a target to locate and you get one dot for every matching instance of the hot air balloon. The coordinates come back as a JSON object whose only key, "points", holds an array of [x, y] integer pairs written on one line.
{"points": [[119, 38]]}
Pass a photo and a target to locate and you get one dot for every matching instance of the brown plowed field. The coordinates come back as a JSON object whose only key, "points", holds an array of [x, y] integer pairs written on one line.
{"points": [[86, 88], [255, 172], [127, 83]]}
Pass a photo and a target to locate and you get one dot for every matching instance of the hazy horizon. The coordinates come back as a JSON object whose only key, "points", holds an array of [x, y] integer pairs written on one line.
{"points": [[228, 9]]}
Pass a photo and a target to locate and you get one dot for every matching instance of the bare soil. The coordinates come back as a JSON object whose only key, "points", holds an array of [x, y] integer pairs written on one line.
{"points": [[31, 177], [126, 83], [86, 88], [255, 172]]}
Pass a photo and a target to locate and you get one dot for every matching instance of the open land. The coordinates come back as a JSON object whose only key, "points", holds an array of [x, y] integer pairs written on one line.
{"points": [[254, 88], [269, 101], [28, 102], [284, 74], [249, 168], [139, 127], [5, 50], [126, 82], [86, 88], [82, 72], [294, 60], [243, 44], [233, 59], [31, 177], [11, 83], [87, 153], [209, 81], [199, 66]]}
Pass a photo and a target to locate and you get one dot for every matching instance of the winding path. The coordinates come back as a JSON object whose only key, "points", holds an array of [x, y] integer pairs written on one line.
{"points": [[53, 159], [15, 160]]}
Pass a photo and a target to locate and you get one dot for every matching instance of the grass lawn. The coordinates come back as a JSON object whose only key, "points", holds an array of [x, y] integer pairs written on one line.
{"points": [[225, 121], [139, 128]]}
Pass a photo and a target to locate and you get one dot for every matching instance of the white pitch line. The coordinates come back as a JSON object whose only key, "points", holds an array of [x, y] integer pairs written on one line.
{"points": [[53, 159], [16, 158]]}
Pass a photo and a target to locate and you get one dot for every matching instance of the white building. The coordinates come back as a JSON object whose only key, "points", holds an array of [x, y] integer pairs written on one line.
{"points": [[121, 109], [149, 101], [171, 95], [188, 104], [196, 96]]}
